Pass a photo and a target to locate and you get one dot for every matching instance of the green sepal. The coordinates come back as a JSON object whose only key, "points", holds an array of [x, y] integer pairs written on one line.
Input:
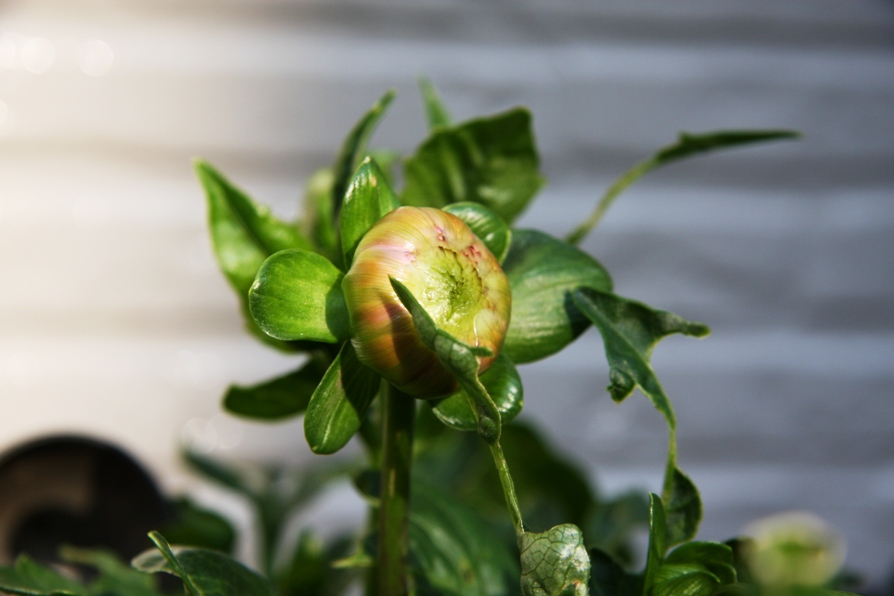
{"points": [[275, 399], [542, 273], [297, 296], [492, 161], [354, 148], [244, 234], [501, 381], [435, 111], [486, 224], [339, 404], [367, 200], [630, 330], [203, 572], [457, 357], [28, 578], [554, 562]]}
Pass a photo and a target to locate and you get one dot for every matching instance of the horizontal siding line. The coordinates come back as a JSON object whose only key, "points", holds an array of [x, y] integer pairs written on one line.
{"points": [[793, 351], [440, 17], [233, 53], [694, 210], [827, 168], [841, 355]]}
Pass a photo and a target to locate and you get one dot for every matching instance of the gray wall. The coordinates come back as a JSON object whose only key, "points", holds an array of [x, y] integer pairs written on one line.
{"points": [[114, 320]]}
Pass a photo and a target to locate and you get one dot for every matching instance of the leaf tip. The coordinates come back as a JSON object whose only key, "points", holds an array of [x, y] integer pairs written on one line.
{"points": [[699, 330]]}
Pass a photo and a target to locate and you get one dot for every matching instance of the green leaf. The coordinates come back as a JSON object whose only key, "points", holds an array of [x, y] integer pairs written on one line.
{"points": [[196, 526], [435, 111], [203, 572], [672, 580], [551, 489], [738, 589], [338, 406], [277, 398], [297, 295], [318, 218], [28, 578], [630, 331], [492, 161], [657, 541], [683, 505], [353, 149], [452, 550], [461, 360], [219, 473], [550, 486], [687, 145], [115, 577], [310, 569], [554, 562], [486, 224], [714, 557], [244, 233], [607, 578], [610, 525], [367, 200], [542, 272], [501, 381]]}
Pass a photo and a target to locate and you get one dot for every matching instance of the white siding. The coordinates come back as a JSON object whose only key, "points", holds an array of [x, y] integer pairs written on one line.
{"points": [[113, 319]]}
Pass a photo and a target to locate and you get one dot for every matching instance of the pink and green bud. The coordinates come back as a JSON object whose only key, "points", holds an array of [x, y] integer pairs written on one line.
{"points": [[450, 272]]}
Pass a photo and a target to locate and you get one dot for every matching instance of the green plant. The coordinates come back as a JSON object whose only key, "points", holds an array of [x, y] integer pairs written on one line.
{"points": [[410, 311]]}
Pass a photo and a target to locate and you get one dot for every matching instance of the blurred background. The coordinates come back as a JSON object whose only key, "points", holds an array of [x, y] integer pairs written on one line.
{"points": [[115, 323]]}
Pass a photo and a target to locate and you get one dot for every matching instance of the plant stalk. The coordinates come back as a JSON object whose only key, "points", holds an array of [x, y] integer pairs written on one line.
{"points": [[629, 177], [399, 414], [508, 488]]}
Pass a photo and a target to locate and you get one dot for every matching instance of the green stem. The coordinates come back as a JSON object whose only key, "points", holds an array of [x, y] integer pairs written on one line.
{"points": [[629, 177], [670, 465], [508, 488], [399, 414]]}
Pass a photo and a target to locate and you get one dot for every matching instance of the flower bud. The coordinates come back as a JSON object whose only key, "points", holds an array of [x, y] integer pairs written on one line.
{"points": [[794, 549], [451, 273]]}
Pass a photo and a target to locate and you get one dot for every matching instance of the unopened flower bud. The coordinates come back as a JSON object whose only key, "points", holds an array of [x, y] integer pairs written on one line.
{"points": [[451, 273], [794, 549]]}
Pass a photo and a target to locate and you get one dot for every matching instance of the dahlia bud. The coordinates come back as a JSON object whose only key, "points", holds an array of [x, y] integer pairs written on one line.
{"points": [[793, 549], [451, 273]]}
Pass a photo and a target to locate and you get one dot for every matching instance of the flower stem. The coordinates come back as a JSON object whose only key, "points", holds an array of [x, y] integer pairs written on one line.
{"points": [[399, 413]]}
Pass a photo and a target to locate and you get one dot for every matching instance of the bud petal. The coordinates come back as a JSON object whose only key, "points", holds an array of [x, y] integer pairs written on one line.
{"points": [[452, 275]]}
